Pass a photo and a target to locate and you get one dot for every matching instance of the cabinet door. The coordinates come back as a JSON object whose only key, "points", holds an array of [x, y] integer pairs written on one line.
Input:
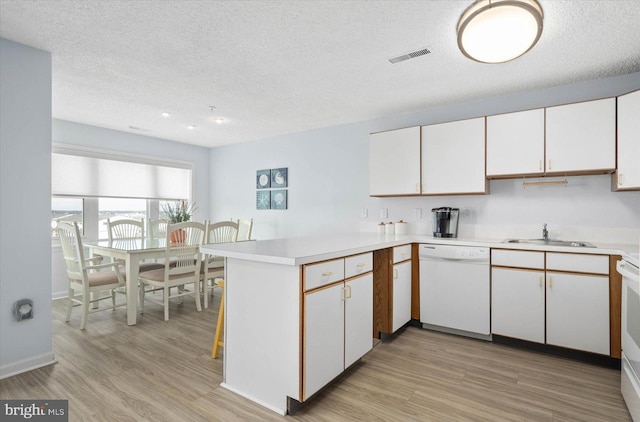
{"points": [[628, 141], [358, 324], [394, 162], [517, 304], [515, 143], [581, 137], [578, 311], [323, 337], [453, 157], [401, 308]]}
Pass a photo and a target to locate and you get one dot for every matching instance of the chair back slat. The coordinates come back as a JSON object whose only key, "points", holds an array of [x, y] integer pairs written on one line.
{"points": [[222, 232], [72, 251], [125, 229], [244, 229], [183, 247], [158, 229]]}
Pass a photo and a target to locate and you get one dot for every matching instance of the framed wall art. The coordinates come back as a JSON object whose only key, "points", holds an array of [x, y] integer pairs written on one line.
{"points": [[263, 200], [279, 178], [263, 179], [279, 199]]}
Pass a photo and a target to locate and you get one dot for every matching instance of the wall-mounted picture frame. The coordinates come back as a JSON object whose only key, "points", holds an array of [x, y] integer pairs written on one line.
{"points": [[263, 200], [279, 177], [279, 199], [263, 179]]}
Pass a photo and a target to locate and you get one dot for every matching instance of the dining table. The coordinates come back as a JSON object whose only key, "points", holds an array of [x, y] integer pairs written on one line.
{"points": [[132, 252]]}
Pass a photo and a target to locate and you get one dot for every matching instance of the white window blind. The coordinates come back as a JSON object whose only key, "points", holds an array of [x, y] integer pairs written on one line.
{"points": [[85, 174]]}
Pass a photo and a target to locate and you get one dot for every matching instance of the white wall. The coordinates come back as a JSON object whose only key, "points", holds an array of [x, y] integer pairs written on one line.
{"points": [[25, 206], [71, 133], [329, 170]]}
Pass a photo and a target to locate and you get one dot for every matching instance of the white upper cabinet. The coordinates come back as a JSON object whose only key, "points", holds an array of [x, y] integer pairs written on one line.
{"points": [[581, 137], [394, 162], [628, 174], [453, 157], [515, 143]]}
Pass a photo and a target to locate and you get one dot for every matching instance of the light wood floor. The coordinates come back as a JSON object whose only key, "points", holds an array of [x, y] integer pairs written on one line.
{"points": [[162, 371]]}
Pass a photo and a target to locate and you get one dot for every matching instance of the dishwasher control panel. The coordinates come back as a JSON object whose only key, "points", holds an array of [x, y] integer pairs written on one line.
{"points": [[462, 253]]}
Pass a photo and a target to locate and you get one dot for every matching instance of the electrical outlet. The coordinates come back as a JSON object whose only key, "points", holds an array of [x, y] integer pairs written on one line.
{"points": [[384, 213], [417, 213], [23, 309], [364, 213]]}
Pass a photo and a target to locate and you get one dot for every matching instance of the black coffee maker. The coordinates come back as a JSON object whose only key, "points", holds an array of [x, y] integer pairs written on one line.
{"points": [[445, 221]]}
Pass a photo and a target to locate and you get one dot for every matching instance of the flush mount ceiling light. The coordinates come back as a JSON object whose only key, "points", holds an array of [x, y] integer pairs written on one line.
{"points": [[496, 31], [165, 114]]}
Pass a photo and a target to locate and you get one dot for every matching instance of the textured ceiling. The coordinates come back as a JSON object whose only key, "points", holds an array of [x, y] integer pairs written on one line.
{"points": [[277, 67]]}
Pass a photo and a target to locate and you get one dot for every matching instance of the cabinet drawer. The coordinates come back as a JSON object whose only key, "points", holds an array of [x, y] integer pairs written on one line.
{"points": [[316, 275], [358, 264], [518, 259], [401, 253], [580, 263]]}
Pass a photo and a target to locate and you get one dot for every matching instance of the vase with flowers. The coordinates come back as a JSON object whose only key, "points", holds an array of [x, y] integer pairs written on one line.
{"points": [[178, 212]]}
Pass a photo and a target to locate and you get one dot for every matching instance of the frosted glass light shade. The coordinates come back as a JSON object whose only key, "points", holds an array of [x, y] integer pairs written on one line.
{"points": [[496, 31]]}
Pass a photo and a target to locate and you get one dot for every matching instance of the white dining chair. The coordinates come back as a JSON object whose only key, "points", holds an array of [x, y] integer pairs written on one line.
{"points": [[213, 266], [157, 228], [126, 229], [85, 278], [182, 261], [244, 229]]}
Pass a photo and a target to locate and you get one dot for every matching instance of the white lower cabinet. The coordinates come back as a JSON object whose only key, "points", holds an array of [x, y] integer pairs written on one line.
{"points": [[337, 329], [324, 337], [578, 311], [401, 307], [517, 303], [358, 311], [562, 300]]}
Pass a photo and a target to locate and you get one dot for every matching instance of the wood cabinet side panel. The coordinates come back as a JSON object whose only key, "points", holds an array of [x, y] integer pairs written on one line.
{"points": [[615, 308], [415, 282], [381, 292]]}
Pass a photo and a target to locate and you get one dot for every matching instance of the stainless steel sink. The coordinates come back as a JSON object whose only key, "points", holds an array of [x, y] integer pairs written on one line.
{"points": [[552, 242]]}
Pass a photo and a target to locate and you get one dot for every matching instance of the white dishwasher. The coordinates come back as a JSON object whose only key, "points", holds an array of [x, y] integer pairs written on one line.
{"points": [[455, 289]]}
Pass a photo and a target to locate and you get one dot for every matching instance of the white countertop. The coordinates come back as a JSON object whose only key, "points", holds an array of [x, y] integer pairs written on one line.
{"points": [[304, 250]]}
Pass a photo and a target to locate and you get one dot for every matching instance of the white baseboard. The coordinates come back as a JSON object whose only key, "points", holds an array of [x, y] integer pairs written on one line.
{"points": [[25, 365]]}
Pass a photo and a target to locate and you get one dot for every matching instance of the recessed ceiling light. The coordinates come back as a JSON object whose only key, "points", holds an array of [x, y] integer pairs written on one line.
{"points": [[191, 127], [496, 31], [218, 120], [165, 114]]}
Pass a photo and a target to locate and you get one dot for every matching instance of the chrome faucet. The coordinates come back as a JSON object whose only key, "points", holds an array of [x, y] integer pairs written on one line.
{"points": [[545, 232]]}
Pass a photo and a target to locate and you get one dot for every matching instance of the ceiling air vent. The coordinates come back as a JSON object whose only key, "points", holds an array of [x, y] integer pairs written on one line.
{"points": [[411, 55]]}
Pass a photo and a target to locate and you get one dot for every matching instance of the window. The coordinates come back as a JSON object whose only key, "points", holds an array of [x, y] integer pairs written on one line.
{"points": [[117, 209], [66, 209], [91, 186]]}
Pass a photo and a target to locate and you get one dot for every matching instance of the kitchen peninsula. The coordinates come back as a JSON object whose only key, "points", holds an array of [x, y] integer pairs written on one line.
{"points": [[264, 332], [276, 291]]}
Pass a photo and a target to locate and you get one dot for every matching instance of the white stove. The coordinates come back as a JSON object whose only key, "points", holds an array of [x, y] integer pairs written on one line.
{"points": [[630, 373]]}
